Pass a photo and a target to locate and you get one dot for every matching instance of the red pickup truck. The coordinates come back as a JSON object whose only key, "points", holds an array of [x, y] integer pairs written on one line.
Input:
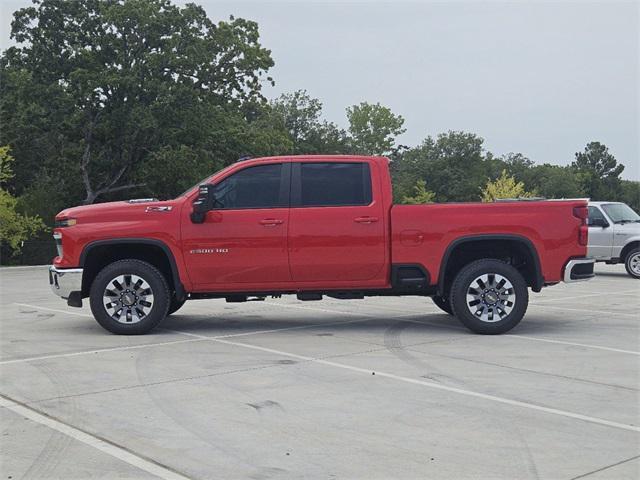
{"points": [[313, 226]]}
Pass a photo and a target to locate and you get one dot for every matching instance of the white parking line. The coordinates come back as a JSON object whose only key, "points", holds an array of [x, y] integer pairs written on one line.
{"points": [[437, 386], [584, 310], [54, 310], [562, 342], [452, 327], [160, 344], [98, 443], [578, 297], [100, 350]]}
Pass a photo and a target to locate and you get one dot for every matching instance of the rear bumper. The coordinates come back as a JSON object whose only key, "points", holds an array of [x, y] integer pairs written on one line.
{"points": [[579, 269], [65, 281]]}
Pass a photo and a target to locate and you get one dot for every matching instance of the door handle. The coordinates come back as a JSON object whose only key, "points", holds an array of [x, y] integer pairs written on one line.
{"points": [[271, 222], [365, 219]]}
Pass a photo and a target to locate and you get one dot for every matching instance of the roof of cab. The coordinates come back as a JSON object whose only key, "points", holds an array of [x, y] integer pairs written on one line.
{"points": [[316, 158]]}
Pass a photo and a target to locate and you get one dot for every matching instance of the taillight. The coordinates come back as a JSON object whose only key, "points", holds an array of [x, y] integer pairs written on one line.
{"points": [[583, 233], [581, 212], [57, 236]]}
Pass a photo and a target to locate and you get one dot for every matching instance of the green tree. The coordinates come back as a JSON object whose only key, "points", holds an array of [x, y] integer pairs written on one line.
{"points": [[598, 171], [553, 181], [373, 128], [301, 116], [14, 227], [630, 194], [454, 166], [504, 186], [421, 194], [111, 82]]}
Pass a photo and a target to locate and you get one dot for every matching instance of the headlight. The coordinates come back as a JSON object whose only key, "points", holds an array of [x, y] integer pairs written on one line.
{"points": [[65, 222]]}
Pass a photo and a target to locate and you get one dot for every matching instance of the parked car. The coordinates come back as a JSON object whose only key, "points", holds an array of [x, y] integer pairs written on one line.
{"points": [[314, 226], [614, 235]]}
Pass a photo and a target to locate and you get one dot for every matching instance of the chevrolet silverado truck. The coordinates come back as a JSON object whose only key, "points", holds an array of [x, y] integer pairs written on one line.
{"points": [[314, 226]]}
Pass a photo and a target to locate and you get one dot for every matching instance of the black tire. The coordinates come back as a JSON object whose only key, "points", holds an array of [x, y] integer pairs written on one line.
{"points": [[443, 304], [632, 263], [175, 305], [508, 315], [142, 322]]}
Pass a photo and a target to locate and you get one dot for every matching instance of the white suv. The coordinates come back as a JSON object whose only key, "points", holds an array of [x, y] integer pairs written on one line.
{"points": [[614, 235]]}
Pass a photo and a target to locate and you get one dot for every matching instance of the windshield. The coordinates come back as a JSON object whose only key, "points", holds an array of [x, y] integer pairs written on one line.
{"points": [[621, 213], [205, 180]]}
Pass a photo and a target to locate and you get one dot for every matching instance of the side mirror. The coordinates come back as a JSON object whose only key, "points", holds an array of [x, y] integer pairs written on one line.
{"points": [[203, 203], [598, 222]]}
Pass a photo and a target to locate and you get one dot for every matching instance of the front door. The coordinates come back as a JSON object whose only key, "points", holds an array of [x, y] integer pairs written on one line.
{"points": [[600, 238], [336, 224], [243, 241]]}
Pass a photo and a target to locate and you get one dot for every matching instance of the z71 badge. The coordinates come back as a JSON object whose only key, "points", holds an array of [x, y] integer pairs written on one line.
{"points": [[210, 250]]}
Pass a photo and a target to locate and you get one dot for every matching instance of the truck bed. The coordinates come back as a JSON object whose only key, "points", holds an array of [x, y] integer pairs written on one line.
{"points": [[423, 233]]}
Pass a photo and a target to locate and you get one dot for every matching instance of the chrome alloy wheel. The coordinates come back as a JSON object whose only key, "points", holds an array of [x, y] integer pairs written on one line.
{"points": [[128, 298], [634, 264], [491, 297]]}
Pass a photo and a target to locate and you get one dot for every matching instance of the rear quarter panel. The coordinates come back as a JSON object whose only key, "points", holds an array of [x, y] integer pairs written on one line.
{"points": [[422, 233]]}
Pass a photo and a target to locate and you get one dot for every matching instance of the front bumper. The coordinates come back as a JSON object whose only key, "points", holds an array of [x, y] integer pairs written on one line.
{"points": [[65, 282], [579, 269]]}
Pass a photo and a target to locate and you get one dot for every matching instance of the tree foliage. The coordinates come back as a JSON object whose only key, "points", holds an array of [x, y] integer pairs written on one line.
{"points": [[421, 194], [14, 227], [454, 166], [127, 78], [301, 117], [373, 128], [104, 99], [598, 171], [505, 186]]}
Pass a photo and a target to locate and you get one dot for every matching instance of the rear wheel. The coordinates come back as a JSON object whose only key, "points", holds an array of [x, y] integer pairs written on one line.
{"points": [[489, 296], [443, 304], [129, 297], [632, 263]]}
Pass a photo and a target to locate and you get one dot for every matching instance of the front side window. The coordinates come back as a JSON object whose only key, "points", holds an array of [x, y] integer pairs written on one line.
{"points": [[253, 187], [335, 184], [595, 213]]}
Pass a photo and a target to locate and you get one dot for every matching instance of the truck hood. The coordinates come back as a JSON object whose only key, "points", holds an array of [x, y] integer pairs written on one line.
{"points": [[113, 209], [628, 228]]}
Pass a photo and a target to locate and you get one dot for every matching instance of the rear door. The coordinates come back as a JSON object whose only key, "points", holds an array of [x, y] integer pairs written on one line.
{"points": [[243, 241], [600, 238], [336, 223]]}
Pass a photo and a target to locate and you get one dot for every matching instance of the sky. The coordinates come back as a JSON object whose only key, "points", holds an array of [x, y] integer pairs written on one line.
{"points": [[542, 78]]}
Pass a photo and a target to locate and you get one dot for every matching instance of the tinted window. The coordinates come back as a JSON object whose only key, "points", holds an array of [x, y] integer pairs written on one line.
{"points": [[253, 187], [333, 184], [594, 213]]}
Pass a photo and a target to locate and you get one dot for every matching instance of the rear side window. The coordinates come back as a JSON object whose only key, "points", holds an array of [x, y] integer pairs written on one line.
{"points": [[594, 213], [335, 184], [253, 187]]}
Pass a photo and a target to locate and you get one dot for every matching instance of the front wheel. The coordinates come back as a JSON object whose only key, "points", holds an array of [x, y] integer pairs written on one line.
{"points": [[632, 263], [489, 296], [129, 297]]}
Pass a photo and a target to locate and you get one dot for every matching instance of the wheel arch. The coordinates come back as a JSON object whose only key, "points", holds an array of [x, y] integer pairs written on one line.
{"points": [[629, 246], [96, 255], [464, 250]]}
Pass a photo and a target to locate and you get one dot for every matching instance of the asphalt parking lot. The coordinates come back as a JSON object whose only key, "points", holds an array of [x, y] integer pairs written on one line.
{"points": [[375, 388]]}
